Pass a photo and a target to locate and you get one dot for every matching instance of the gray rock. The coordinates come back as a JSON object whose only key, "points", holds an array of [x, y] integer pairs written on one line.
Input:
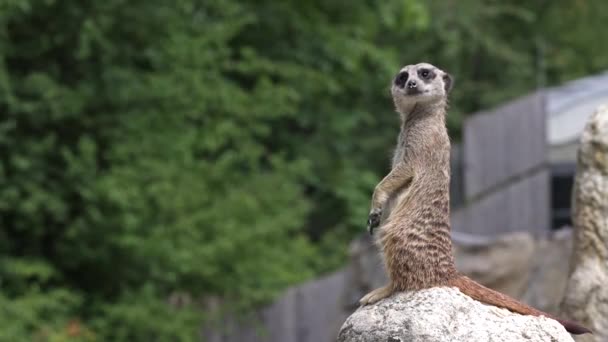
{"points": [[444, 314], [549, 272], [586, 299]]}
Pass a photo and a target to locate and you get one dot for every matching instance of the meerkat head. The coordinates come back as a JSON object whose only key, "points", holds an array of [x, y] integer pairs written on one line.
{"points": [[420, 83]]}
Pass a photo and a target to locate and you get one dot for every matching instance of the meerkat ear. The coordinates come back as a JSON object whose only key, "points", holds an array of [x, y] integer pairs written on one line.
{"points": [[447, 82]]}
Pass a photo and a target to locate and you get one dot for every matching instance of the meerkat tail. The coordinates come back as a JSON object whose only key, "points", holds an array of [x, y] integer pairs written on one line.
{"points": [[489, 296]]}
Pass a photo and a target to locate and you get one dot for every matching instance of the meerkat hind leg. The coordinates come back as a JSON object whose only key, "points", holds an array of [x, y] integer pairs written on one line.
{"points": [[376, 295]]}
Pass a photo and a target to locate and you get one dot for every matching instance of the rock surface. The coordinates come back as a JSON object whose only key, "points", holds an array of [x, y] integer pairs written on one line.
{"points": [[444, 314], [549, 272], [586, 299]]}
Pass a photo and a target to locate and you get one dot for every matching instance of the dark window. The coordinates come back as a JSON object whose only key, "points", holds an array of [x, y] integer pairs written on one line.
{"points": [[562, 180]]}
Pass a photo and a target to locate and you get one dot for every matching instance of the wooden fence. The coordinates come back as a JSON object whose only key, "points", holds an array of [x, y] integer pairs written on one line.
{"points": [[502, 180], [311, 312]]}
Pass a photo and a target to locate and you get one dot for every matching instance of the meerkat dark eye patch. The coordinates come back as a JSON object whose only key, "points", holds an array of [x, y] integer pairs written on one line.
{"points": [[426, 75], [401, 79]]}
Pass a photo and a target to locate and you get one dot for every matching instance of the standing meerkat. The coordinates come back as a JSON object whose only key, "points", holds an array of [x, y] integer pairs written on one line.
{"points": [[410, 206]]}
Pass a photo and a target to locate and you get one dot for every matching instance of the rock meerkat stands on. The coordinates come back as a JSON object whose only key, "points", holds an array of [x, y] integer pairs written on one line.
{"points": [[443, 314]]}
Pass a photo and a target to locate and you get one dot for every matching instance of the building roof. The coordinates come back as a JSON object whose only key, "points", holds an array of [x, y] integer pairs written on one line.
{"points": [[568, 107]]}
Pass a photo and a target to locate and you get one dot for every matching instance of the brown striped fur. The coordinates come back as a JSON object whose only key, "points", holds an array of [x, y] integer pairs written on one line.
{"points": [[411, 205]]}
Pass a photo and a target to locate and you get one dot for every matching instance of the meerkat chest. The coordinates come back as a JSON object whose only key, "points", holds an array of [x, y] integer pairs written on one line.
{"points": [[399, 153]]}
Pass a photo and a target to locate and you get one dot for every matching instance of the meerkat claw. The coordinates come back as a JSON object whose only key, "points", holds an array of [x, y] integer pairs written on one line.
{"points": [[373, 220]]}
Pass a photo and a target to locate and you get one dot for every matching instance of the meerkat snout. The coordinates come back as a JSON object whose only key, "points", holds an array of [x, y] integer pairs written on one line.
{"points": [[412, 88]]}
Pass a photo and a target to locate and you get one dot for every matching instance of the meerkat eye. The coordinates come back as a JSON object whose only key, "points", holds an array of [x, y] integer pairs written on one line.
{"points": [[424, 73], [401, 79]]}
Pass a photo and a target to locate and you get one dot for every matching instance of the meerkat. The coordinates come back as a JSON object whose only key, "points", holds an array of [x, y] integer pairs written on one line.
{"points": [[410, 206]]}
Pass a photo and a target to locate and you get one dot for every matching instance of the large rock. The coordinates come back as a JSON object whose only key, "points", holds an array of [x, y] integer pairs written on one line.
{"points": [[444, 314], [549, 272], [586, 299]]}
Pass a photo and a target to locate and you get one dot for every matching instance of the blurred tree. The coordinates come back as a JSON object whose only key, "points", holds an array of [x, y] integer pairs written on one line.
{"points": [[221, 147]]}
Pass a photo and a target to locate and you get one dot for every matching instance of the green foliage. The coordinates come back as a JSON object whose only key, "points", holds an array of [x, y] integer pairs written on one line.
{"points": [[222, 148], [41, 316], [141, 316], [29, 311]]}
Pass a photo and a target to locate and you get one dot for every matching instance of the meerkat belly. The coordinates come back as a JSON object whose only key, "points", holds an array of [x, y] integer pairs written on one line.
{"points": [[415, 260], [416, 241]]}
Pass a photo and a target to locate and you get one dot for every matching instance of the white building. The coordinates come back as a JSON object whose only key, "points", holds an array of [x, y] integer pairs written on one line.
{"points": [[567, 109]]}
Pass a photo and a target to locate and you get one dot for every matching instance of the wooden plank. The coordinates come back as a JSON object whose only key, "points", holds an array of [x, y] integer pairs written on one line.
{"points": [[497, 150], [522, 205], [488, 216], [516, 133], [540, 194], [246, 329], [456, 180], [212, 330], [280, 319], [529, 204], [503, 143], [474, 140], [313, 311], [319, 311], [520, 208], [459, 220], [538, 148], [273, 323]]}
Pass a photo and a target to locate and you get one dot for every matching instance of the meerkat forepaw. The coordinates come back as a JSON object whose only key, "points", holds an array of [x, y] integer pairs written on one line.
{"points": [[373, 220]]}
